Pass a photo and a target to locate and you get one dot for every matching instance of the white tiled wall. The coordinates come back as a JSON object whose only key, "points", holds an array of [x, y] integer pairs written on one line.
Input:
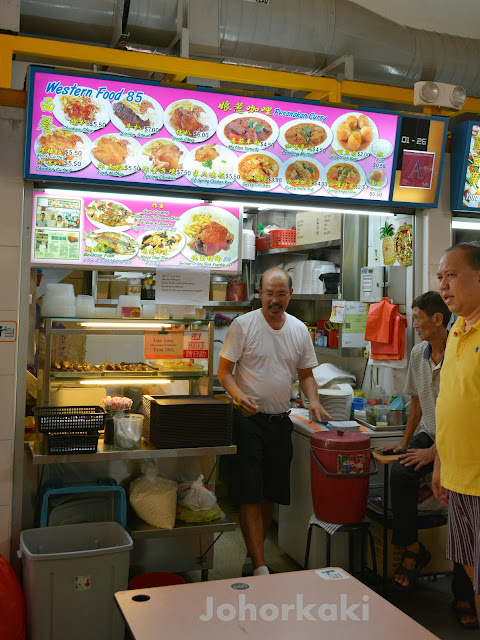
{"points": [[11, 197]]}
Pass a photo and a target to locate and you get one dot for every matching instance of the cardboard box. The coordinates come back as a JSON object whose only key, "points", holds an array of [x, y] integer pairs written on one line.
{"points": [[117, 288], [434, 539]]}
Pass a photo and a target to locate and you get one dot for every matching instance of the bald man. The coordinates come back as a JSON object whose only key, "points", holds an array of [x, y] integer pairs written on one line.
{"points": [[267, 348]]}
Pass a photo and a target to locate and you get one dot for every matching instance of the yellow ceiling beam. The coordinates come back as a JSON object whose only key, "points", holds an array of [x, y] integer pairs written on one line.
{"points": [[379, 92], [103, 56], [177, 69]]}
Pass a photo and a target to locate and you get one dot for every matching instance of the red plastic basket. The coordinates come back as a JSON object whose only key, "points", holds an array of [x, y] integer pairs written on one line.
{"points": [[283, 238]]}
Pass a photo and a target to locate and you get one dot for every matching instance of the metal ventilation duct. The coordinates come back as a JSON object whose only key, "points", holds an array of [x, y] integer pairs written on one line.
{"points": [[91, 21], [300, 36]]}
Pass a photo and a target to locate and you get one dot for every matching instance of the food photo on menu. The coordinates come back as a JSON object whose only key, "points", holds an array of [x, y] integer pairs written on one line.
{"points": [[142, 134]]}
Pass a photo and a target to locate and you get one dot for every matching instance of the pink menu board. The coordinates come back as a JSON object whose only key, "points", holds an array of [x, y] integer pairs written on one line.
{"points": [[110, 129], [95, 230]]}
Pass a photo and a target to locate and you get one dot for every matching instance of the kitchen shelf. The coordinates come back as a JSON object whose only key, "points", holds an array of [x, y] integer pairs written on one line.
{"points": [[140, 529], [227, 304], [311, 296], [301, 247], [107, 453]]}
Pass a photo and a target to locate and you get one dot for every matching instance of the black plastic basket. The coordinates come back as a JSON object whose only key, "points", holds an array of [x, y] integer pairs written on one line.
{"points": [[63, 420], [72, 442]]}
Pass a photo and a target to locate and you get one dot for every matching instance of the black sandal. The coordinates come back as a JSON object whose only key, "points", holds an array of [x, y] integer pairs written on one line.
{"points": [[465, 611], [422, 558]]}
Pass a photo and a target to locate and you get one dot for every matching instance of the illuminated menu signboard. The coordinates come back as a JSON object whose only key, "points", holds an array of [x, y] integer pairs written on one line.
{"points": [[106, 129], [465, 172], [98, 230]]}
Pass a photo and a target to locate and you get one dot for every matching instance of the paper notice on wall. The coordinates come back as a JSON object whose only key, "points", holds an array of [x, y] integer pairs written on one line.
{"points": [[180, 285], [353, 330], [338, 311], [313, 226]]}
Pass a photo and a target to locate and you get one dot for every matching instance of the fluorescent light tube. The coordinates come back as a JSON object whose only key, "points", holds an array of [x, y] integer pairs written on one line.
{"points": [[112, 382]]}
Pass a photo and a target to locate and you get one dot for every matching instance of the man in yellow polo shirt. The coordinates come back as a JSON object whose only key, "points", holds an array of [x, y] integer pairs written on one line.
{"points": [[456, 476]]}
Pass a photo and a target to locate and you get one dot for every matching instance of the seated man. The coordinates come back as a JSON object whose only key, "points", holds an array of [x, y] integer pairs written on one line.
{"points": [[430, 319]]}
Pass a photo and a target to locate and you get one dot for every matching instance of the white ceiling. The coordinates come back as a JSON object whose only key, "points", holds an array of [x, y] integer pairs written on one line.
{"points": [[456, 17]]}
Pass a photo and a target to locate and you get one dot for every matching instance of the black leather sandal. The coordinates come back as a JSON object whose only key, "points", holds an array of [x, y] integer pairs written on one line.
{"points": [[422, 558], [460, 612]]}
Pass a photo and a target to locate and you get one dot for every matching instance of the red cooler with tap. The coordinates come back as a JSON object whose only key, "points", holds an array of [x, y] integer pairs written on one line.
{"points": [[340, 473]]}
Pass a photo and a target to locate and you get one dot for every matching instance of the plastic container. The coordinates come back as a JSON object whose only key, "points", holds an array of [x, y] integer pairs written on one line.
{"points": [[128, 431], [282, 238], [359, 403], [155, 579], [70, 576], [85, 307], [339, 473], [263, 242]]}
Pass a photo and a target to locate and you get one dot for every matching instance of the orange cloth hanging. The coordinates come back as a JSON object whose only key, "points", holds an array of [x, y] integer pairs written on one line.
{"points": [[380, 319], [394, 350]]}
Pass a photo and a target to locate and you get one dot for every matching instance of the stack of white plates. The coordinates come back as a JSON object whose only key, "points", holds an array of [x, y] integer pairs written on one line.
{"points": [[248, 244], [336, 401]]}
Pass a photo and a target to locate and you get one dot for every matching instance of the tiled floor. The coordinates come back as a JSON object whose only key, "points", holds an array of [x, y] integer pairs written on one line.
{"points": [[429, 603]]}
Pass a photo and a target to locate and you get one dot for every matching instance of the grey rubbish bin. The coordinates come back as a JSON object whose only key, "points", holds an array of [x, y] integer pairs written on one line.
{"points": [[70, 574]]}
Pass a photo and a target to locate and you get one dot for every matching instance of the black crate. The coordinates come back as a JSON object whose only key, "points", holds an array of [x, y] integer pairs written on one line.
{"points": [[72, 442], [173, 422], [67, 419]]}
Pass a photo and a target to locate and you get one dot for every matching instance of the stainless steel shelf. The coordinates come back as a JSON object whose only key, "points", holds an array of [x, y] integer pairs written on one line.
{"points": [[311, 296], [227, 304], [140, 529], [301, 247], [107, 453], [334, 352]]}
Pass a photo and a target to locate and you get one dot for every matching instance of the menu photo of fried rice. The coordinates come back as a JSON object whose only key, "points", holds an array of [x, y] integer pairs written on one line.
{"points": [[82, 113], [61, 148], [113, 154], [139, 119], [190, 120]]}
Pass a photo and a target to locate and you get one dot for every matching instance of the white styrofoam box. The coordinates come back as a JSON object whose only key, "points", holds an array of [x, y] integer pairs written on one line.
{"points": [[6, 466], [298, 276], [7, 402]]}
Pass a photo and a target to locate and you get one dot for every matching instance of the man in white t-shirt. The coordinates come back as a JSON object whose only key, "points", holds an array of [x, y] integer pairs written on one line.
{"points": [[267, 348]]}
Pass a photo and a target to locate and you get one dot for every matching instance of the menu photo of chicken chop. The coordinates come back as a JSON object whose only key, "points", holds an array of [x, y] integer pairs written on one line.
{"points": [[210, 232]]}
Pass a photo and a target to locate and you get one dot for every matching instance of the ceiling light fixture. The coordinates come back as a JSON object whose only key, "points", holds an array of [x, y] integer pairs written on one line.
{"points": [[439, 94], [125, 325], [113, 382], [466, 224]]}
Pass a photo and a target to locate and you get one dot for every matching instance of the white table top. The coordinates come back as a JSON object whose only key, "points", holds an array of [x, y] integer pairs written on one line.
{"points": [[316, 604]]}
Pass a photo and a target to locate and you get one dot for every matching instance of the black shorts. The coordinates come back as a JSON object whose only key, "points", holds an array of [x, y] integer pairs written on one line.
{"points": [[261, 468]]}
